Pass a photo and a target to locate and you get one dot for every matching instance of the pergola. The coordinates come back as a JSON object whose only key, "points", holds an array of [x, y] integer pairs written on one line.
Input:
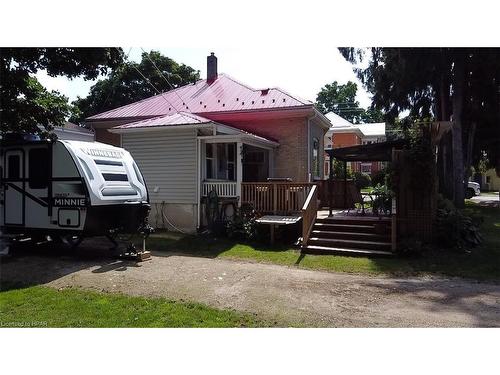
{"points": [[382, 151]]}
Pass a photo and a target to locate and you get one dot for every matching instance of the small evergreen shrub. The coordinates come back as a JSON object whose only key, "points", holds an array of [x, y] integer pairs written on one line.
{"points": [[362, 180]]}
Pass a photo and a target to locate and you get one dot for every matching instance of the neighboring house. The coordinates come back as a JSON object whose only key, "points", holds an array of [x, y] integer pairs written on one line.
{"points": [[343, 133], [489, 181], [215, 134], [73, 132]]}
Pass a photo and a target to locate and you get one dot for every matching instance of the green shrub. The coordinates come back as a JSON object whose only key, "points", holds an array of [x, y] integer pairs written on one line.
{"points": [[454, 229], [338, 169], [378, 178], [383, 199], [362, 180], [243, 226]]}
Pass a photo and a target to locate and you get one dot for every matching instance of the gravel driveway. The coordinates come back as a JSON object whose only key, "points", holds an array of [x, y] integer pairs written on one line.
{"points": [[289, 296]]}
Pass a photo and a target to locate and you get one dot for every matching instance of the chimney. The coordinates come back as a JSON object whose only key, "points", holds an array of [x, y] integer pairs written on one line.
{"points": [[211, 68]]}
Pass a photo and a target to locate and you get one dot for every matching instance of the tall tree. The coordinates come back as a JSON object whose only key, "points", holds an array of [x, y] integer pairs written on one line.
{"points": [[458, 84], [25, 103], [127, 83], [341, 99]]}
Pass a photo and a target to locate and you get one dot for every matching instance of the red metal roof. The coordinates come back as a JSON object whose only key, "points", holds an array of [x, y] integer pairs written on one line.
{"points": [[181, 118], [225, 94]]}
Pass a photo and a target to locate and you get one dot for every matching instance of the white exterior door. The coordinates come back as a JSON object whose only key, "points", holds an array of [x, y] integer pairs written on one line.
{"points": [[14, 187]]}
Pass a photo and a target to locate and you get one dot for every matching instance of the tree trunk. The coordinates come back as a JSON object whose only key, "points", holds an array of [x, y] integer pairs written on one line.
{"points": [[443, 114], [456, 131], [470, 149]]}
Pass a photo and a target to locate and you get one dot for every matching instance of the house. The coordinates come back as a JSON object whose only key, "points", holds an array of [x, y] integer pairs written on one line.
{"points": [[343, 133], [488, 181], [220, 135]]}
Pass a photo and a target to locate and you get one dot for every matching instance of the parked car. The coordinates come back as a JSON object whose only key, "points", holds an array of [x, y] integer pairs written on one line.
{"points": [[473, 189]]}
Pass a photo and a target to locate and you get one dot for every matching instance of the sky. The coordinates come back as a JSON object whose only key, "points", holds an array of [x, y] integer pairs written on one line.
{"points": [[301, 71]]}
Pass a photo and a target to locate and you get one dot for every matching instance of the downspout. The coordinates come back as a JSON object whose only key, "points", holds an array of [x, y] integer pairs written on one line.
{"points": [[309, 174], [198, 181]]}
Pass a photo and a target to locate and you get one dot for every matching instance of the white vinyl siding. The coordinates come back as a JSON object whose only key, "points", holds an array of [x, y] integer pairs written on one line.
{"points": [[167, 160]]}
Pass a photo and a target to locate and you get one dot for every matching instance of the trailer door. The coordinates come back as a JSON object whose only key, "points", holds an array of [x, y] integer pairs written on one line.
{"points": [[14, 187]]}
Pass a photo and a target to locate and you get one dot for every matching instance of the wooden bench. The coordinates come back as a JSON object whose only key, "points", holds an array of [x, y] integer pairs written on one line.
{"points": [[274, 220]]}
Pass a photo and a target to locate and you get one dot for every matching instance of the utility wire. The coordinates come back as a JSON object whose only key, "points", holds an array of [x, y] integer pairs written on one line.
{"points": [[166, 80], [153, 86], [113, 89]]}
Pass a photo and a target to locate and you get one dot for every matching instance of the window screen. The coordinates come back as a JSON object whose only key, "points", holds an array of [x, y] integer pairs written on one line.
{"points": [[38, 168]]}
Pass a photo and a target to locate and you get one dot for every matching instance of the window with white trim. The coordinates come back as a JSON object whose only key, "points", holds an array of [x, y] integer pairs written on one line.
{"points": [[220, 161]]}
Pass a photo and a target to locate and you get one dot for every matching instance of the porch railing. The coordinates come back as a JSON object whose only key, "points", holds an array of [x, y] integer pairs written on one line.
{"points": [[309, 213], [225, 189], [275, 197]]}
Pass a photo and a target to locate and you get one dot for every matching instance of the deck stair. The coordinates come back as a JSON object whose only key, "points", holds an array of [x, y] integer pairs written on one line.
{"points": [[351, 236]]}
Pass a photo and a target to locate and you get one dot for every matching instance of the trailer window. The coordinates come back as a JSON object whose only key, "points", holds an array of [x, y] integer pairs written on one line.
{"points": [[38, 168], [14, 167], [115, 177]]}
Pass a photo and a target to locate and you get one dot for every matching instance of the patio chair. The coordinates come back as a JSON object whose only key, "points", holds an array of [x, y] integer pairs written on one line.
{"points": [[355, 198]]}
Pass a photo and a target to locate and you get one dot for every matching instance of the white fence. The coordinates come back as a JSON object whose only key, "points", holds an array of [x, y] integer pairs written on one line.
{"points": [[223, 189]]}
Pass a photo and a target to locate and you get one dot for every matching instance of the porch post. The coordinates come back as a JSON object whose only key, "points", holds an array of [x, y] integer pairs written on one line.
{"points": [[330, 188], [239, 171], [345, 184]]}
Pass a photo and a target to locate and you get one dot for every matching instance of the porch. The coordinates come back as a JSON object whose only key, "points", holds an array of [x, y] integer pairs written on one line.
{"points": [[239, 170]]}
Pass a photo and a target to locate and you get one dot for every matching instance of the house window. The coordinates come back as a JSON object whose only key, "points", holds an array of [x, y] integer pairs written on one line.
{"points": [[366, 168], [231, 161], [220, 161], [315, 159], [210, 160]]}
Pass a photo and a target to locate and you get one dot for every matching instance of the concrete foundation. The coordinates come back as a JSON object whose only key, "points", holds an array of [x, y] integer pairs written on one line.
{"points": [[174, 216]]}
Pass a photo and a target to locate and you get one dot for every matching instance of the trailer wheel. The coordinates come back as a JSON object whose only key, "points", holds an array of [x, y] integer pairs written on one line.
{"points": [[72, 241]]}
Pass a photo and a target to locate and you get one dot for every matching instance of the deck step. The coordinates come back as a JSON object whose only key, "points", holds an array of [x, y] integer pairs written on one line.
{"points": [[350, 235], [344, 227], [314, 249], [354, 221], [356, 244]]}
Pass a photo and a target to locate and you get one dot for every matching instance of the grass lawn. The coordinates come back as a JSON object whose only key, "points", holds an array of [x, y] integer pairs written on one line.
{"points": [[46, 307], [482, 263]]}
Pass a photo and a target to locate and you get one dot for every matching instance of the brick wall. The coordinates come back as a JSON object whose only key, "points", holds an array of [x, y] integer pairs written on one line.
{"points": [[103, 135], [345, 140], [290, 158]]}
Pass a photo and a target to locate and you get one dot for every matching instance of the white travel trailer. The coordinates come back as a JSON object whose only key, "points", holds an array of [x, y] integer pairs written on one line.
{"points": [[69, 189]]}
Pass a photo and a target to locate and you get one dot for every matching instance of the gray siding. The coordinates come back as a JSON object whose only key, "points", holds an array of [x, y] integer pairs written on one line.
{"points": [[167, 160]]}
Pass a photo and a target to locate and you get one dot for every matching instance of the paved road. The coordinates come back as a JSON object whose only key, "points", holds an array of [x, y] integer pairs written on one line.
{"points": [[289, 296], [487, 200]]}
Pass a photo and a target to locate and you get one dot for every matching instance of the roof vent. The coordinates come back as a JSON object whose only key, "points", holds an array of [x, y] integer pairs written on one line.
{"points": [[264, 91], [211, 68]]}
